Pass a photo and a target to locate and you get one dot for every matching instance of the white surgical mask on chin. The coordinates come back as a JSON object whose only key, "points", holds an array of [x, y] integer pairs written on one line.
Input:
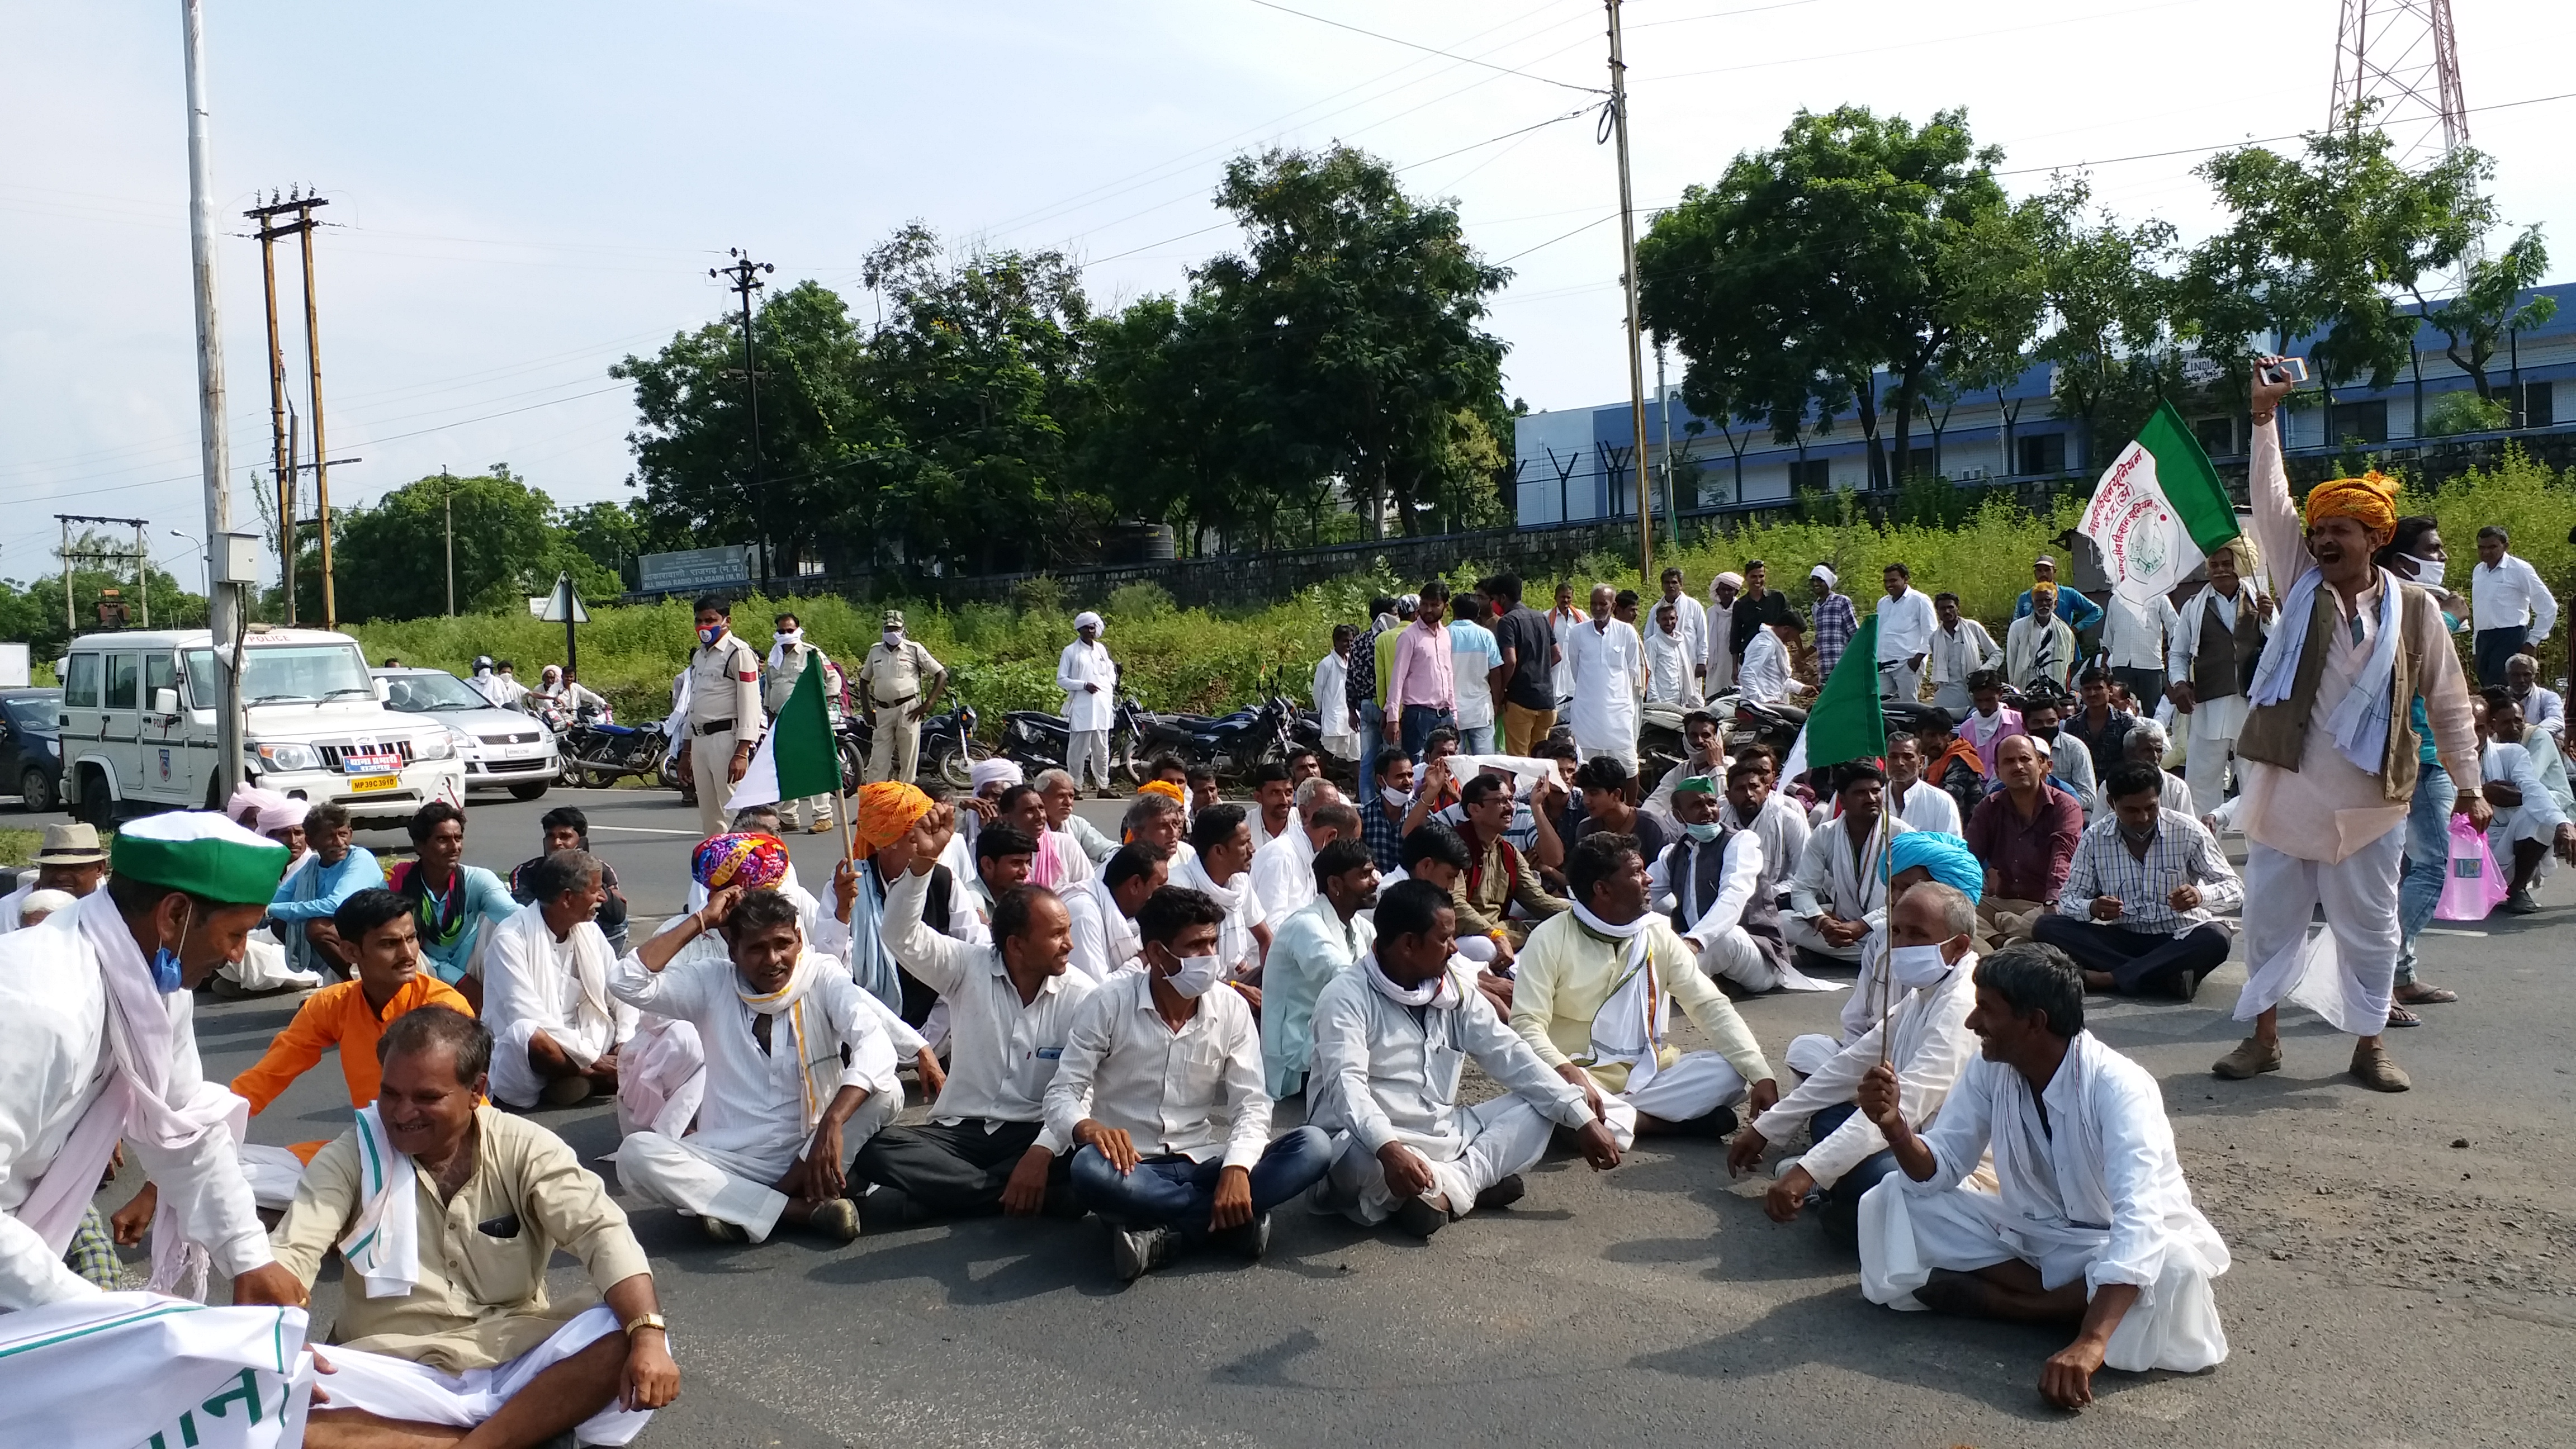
{"points": [[2428, 571], [1194, 978], [1915, 967], [1394, 796]]}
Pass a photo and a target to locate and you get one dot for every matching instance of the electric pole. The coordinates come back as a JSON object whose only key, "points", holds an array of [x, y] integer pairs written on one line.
{"points": [[321, 449], [447, 501], [1618, 118], [280, 470], [746, 280], [223, 607]]}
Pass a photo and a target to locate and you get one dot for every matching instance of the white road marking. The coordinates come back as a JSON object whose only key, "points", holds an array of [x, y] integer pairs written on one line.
{"points": [[644, 829]]}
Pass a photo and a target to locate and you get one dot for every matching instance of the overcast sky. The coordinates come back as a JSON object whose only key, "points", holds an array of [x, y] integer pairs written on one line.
{"points": [[523, 193]]}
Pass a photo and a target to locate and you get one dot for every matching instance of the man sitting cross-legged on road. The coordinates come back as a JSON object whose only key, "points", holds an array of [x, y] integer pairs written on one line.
{"points": [[2092, 1221], [1837, 894], [1712, 877], [1593, 997], [1923, 1034], [1390, 1037], [1161, 1086], [987, 1145], [798, 1064], [555, 1028], [446, 1333], [1317, 943], [2135, 911]]}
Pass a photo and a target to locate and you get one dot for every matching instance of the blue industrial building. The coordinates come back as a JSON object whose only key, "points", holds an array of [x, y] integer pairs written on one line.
{"points": [[1577, 463]]}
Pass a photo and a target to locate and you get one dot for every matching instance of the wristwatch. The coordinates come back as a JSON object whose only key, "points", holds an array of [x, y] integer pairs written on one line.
{"points": [[646, 1320]]}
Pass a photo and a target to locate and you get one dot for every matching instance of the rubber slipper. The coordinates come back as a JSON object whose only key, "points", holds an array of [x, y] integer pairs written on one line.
{"points": [[2400, 1016], [2428, 996]]}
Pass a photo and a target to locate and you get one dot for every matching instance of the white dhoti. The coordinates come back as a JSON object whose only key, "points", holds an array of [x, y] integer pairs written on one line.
{"points": [[274, 1174], [263, 966], [2346, 974], [1504, 1135], [1905, 1235], [1801, 933], [396, 1388], [731, 1186], [1808, 1054], [661, 1078], [2215, 724], [1695, 1085], [1733, 955], [514, 1079]]}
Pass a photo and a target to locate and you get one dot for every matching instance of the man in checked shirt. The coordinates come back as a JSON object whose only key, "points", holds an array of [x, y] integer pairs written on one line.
{"points": [[2135, 912]]}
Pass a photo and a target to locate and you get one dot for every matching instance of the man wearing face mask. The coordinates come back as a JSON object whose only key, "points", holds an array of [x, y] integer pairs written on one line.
{"points": [[1391, 1037], [2136, 913], [1711, 878], [724, 717], [97, 1044], [1161, 1085], [900, 684], [1922, 1034]]}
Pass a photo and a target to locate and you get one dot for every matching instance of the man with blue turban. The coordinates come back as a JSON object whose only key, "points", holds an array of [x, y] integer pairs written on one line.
{"points": [[1914, 858]]}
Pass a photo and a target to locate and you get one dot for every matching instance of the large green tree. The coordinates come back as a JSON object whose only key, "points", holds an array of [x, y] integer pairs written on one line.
{"points": [[2110, 323], [1353, 316], [1859, 242], [33, 611], [2326, 244], [389, 560], [2491, 307]]}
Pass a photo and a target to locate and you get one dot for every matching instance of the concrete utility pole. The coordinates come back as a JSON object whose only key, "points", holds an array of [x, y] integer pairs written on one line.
{"points": [[745, 274], [281, 468], [321, 447], [224, 605], [447, 501], [1618, 107]]}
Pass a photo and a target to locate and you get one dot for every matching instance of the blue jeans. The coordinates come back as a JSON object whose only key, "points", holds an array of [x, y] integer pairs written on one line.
{"points": [[2428, 861], [1372, 739], [1476, 739], [1838, 1208], [1174, 1192], [1418, 721]]}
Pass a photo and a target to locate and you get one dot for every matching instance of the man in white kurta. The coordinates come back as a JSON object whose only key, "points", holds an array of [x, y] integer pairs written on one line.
{"points": [[799, 1072], [2328, 758], [555, 1029], [1906, 623], [1838, 894], [97, 1044], [2215, 633], [1103, 909], [2090, 1220], [1960, 647], [1720, 633], [1922, 1032], [1218, 866], [1090, 684], [1391, 1035], [1606, 668]]}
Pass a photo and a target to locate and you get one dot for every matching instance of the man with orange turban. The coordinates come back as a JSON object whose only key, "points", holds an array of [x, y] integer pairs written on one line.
{"points": [[2329, 754]]}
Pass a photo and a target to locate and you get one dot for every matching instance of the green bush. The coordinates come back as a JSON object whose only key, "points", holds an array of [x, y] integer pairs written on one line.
{"points": [[1002, 657], [2463, 412]]}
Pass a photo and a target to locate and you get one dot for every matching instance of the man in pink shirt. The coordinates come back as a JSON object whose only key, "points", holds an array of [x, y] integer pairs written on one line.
{"points": [[2328, 755], [1421, 690]]}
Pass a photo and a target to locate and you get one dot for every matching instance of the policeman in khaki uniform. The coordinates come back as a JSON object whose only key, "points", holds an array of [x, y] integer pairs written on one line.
{"points": [[724, 712], [899, 683]]}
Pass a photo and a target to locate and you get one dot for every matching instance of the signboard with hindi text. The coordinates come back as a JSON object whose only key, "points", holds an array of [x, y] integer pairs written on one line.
{"points": [[726, 566]]}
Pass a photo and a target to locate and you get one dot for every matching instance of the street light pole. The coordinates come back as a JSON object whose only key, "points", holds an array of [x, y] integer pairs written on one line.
{"points": [[1628, 274], [205, 566]]}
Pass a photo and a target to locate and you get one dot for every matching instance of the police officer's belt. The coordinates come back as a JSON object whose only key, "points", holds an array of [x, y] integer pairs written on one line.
{"points": [[898, 703], [712, 727]]}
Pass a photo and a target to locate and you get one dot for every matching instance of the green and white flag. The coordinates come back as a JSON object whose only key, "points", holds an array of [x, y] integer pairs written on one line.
{"points": [[798, 757], [2158, 510]]}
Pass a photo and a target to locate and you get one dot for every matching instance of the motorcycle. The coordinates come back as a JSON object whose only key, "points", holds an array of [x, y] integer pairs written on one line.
{"points": [[596, 753], [1036, 740], [949, 748], [1776, 725]]}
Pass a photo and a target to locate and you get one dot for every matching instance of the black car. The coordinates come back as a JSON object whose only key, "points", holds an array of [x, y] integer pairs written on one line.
{"points": [[31, 750]]}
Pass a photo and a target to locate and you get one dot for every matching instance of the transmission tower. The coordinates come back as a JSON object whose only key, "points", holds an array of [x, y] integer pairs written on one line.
{"points": [[2401, 58]]}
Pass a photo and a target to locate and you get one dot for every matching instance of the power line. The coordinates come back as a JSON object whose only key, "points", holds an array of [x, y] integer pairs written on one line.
{"points": [[1431, 49]]}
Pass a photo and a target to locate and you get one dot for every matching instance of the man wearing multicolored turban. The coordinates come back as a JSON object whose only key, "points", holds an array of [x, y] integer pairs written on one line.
{"points": [[2330, 752], [743, 858]]}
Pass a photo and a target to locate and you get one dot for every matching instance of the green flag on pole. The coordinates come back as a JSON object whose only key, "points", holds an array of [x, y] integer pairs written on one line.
{"points": [[798, 757], [1845, 723]]}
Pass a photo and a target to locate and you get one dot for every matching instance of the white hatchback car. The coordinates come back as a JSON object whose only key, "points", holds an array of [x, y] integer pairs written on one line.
{"points": [[502, 749]]}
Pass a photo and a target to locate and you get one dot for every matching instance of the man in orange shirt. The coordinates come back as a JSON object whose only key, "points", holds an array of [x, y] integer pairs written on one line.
{"points": [[350, 1015]]}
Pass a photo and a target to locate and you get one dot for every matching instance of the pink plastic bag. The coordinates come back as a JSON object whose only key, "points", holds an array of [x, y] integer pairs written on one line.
{"points": [[2471, 888]]}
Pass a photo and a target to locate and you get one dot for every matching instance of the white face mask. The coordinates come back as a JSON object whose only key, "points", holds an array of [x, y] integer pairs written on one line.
{"points": [[1702, 831], [1915, 967], [2428, 571], [1194, 978], [1394, 796], [894, 638]]}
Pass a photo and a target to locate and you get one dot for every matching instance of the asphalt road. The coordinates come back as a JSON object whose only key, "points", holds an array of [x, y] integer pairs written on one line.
{"points": [[2405, 1268]]}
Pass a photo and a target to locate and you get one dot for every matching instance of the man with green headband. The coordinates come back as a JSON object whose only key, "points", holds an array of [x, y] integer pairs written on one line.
{"points": [[108, 981]]}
